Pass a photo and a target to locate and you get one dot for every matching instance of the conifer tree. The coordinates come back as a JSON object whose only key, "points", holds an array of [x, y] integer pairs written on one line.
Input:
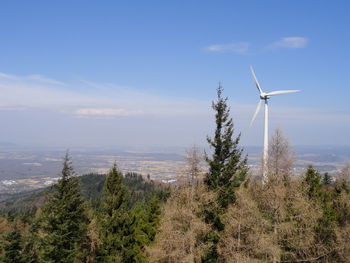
{"points": [[312, 182], [153, 212], [64, 220], [13, 247], [118, 239], [147, 220], [326, 180], [325, 228], [227, 168]]}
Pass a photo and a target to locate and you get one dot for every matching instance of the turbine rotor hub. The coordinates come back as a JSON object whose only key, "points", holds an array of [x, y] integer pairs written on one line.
{"points": [[264, 96]]}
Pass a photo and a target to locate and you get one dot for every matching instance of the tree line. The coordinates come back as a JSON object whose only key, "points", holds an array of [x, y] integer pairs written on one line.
{"points": [[112, 227]]}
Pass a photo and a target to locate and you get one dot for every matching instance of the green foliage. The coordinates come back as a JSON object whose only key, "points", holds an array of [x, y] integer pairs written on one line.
{"points": [[127, 208], [64, 221], [23, 206], [326, 179], [211, 238], [312, 182], [13, 247], [325, 228], [153, 211], [118, 226], [92, 187], [148, 217], [141, 190], [212, 215], [227, 169]]}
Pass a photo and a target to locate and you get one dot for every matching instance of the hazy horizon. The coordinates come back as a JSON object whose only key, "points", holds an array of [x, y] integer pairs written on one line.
{"points": [[143, 75]]}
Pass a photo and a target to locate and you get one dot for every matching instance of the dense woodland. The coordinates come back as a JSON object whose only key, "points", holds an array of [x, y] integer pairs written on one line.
{"points": [[222, 214]]}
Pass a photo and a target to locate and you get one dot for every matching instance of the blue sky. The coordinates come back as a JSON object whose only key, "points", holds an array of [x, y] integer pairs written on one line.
{"points": [[144, 72]]}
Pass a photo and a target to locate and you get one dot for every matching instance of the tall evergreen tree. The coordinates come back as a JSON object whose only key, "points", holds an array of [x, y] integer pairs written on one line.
{"points": [[118, 237], [64, 219], [227, 168]]}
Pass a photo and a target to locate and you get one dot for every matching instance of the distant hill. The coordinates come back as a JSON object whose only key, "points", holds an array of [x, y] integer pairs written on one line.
{"points": [[91, 187]]}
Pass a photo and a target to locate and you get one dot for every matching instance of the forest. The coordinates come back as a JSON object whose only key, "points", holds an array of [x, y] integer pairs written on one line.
{"points": [[224, 213]]}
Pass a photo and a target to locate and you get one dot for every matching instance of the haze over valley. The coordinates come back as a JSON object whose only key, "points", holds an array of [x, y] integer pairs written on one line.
{"points": [[28, 168]]}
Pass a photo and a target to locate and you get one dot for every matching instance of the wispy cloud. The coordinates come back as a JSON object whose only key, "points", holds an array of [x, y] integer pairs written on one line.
{"points": [[43, 79], [88, 99], [240, 48], [106, 112], [140, 117], [243, 48], [34, 77], [290, 42]]}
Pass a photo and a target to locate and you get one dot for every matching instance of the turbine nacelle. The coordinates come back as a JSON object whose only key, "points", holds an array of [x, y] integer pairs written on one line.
{"points": [[265, 95]]}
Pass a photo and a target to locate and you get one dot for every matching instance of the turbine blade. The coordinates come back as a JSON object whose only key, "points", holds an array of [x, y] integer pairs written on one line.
{"points": [[256, 112], [278, 92], [255, 80]]}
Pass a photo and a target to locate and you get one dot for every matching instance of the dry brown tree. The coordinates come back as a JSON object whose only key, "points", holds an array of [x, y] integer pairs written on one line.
{"points": [[194, 164], [281, 157], [274, 222], [177, 240], [344, 174], [342, 204]]}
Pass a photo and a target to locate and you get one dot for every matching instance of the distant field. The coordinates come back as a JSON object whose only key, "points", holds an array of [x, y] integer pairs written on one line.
{"points": [[28, 169]]}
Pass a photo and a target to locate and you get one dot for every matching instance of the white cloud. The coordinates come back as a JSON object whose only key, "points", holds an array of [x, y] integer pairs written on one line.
{"points": [[88, 99], [43, 79], [7, 76], [237, 48], [47, 108], [106, 112], [290, 42]]}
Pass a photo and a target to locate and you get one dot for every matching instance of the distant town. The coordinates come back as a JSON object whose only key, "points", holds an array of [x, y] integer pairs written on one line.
{"points": [[25, 169]]}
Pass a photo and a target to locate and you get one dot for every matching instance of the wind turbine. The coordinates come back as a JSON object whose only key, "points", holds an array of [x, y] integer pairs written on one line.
{"points": [[265, 96]]}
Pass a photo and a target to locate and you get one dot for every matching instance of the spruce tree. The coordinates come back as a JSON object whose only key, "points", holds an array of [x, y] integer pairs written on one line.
{"points": [[153, 216], [64, 220], [227, 168], [148, 219], [118, 239], [13, 247], [312, 182], [326, 180]]}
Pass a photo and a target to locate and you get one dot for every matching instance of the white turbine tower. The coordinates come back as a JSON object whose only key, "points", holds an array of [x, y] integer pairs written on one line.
{"points": [[264, 97]]}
